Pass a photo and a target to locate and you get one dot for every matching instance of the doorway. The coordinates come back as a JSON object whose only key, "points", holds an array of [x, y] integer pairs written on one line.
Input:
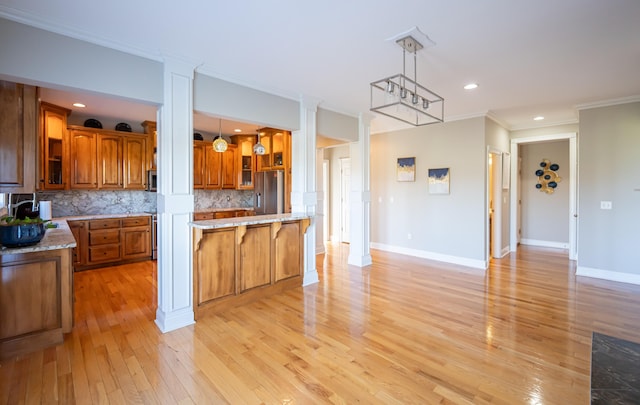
{"points": [[345, 190], [494, 204], [573, 186]]}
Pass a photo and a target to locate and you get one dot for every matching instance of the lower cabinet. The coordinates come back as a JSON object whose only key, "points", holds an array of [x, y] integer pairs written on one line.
{"points": [[201, 216], [36, 300], [110, 241], [238, 264], [135, 234]]}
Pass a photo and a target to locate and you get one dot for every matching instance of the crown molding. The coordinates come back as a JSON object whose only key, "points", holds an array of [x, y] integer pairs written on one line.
{"points": [[35, 21], [608, 103]]}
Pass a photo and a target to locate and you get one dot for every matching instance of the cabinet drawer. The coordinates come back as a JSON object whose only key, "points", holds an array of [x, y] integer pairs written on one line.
{"points": [[201, 216], [104, 253], [224, 214], [104, 237], [135, 221], [104, 224]]}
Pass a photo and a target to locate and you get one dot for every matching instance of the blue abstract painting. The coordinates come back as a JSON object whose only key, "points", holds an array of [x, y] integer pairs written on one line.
{"points": [[406, 169], [439, 181]]}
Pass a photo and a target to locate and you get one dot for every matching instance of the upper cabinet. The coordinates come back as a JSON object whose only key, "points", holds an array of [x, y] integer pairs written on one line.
{"points": [[277, 154], [150, 128], [96, 159], [18, 137], [214, 170], [245, 161], [54, 149]]}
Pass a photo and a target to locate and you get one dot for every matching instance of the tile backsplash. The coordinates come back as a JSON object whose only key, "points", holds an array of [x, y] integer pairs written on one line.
{"points": [[86, 202]]}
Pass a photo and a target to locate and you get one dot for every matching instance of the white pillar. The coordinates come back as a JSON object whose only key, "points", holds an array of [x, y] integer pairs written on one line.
{"points": [[175, 197], [303, 181], [321, 193], [360, 197]]}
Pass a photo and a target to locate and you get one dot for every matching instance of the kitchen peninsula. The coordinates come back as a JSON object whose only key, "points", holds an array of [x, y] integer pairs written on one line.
{"points": [[36, 293], [238, 260]]}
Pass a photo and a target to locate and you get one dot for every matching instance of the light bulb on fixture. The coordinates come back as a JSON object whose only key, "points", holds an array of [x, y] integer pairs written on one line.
{"points": [[219, 144], [259, 148]]}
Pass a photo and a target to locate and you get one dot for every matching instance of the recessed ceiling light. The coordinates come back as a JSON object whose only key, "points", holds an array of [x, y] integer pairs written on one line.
{"points": [[471, 86], [79, 105], [538, 118], [237, 130]]}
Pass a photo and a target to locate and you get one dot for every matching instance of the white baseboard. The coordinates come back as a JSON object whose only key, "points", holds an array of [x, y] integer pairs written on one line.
{"points": [[608, 275], [463, 261], [544, 243]]}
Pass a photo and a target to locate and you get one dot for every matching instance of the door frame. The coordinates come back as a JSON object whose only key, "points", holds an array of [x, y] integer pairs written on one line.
{"points": [[573, 188], [345, 203]]}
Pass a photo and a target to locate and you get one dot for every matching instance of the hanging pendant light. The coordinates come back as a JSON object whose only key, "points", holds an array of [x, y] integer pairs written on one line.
{"points": [[259, 148], [219, 144], [412, 103]]}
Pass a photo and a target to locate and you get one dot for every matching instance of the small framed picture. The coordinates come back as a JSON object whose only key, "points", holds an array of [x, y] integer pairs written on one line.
{"points": [[406, 169], [439, 181]]}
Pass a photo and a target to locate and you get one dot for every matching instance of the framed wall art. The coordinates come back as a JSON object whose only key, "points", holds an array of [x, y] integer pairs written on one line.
{"points": [[439, 181], [406, 169]]}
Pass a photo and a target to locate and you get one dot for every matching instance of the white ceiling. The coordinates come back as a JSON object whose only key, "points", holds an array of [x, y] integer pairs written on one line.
{"points": [[529, 58]]}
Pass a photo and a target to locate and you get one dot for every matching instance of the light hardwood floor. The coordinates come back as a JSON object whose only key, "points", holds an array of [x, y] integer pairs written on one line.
{"points": [[402, 331]]}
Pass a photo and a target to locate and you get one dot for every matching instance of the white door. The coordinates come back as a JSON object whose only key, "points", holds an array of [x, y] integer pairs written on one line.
{"points": [[345, 189]]}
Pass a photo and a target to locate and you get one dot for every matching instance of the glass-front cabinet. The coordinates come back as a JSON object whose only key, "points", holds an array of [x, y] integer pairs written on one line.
{"points": [[245, 160], [276, 149], [55, 159]]}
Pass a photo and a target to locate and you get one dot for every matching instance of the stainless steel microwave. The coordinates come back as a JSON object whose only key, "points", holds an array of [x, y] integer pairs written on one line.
{"points": [[152, 180]]}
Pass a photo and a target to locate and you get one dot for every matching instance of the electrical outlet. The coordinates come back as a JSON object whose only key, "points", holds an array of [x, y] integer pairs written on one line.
{"points": [[606, 205], [409, 236]]}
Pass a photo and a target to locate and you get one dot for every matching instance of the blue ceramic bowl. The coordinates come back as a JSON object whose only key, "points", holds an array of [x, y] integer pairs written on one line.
{"points": [[21, 235]]}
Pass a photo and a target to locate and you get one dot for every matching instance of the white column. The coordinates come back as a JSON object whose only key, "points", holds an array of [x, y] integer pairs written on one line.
{"points": [[360, 197], [303, 181], [320, 192], [175, 197]]}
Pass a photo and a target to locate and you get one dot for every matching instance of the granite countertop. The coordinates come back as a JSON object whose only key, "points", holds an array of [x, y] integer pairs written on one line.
{"points": [[54, 238], [239, 221]]}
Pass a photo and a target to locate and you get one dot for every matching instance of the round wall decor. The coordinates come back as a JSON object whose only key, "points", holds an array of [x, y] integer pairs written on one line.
{"points": [[548, 179]]}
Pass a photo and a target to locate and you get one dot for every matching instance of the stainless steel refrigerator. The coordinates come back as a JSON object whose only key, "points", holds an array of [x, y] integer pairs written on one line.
{"points": [[269, 192]]}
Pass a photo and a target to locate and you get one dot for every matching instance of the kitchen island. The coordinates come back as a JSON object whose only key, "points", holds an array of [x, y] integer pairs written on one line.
{"points": [[36, 293], [238, 260]]}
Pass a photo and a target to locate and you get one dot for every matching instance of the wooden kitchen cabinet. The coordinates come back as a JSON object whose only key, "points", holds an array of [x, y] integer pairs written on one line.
{"points": [[228, 170], [79, 229], [136, 237], [220, 278], [84, 162], [18, 137], [54, 147], [109, 162], [241, 263], [277, 154], [111, 241], [245, 161], [212, 166], [104, 241], [135, 162], [36, 300], [214, 170], [150, 128], [198, 165]]}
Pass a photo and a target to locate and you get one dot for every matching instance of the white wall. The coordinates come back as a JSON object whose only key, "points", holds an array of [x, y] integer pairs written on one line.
{"points": [[33, 56], [545, 217], [446, 227], [609, 153]]}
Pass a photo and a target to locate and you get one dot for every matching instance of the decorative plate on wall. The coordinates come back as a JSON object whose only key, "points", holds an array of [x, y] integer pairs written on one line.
{"points": [[548, 179]]}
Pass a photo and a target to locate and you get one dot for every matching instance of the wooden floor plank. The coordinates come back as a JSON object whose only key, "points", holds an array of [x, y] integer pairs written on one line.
{"points": [[403, 330]]}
